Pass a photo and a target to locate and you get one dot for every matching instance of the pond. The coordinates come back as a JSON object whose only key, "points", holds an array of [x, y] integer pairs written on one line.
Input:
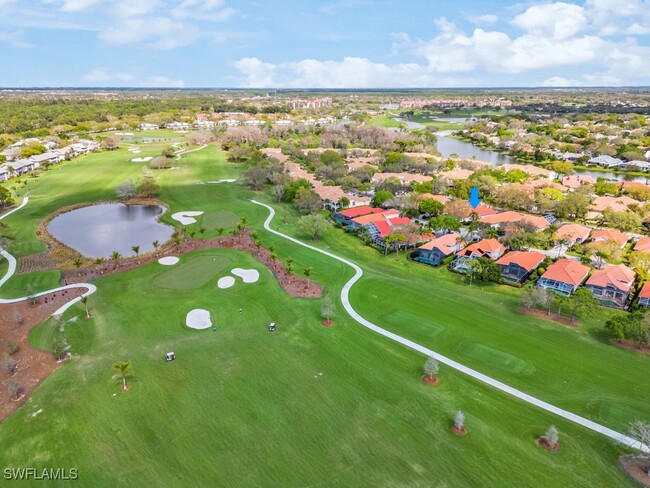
{"points": [[98, 230]]}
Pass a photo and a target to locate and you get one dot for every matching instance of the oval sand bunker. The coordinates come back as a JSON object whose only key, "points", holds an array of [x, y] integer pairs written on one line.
{"points": [[248, 275], [198, 319], [186, 218], [226, 282], [168, 260]]}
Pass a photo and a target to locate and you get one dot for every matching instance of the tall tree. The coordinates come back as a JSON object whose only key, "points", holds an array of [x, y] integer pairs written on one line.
{"points": [[327, 309], [583, 304]]}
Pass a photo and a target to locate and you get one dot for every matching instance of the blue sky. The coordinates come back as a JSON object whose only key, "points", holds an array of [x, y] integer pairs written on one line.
{"points": [[324, 44]]}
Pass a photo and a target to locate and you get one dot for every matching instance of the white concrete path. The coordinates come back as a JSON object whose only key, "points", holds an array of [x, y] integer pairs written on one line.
{"points": [[345, 299], [12, 269]]}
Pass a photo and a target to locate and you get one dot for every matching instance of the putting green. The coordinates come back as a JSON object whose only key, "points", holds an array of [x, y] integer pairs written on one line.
{"points": [[192, 274], [220, 218], [499, 359]]}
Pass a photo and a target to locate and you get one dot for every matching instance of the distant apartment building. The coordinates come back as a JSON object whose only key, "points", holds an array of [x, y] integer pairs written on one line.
{"points": [[311, 103]]}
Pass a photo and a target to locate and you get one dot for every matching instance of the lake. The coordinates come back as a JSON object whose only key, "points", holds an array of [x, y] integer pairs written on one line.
{"points": [[98, 230]]}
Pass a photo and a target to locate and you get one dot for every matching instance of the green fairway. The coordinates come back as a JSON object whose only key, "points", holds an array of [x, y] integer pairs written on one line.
{"points": [[384, 121], [305, 405], [219, 218], [191, 274]]}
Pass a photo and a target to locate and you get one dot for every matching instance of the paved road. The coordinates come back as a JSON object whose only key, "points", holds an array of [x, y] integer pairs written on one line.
{"points": [[12, 269], [345, 299]]}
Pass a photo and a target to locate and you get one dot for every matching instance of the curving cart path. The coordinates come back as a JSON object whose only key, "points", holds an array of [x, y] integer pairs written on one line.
{"points": [[345, 299], [12, 269]]}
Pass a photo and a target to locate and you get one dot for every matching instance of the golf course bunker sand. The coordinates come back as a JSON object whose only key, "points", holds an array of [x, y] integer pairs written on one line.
{"points": [[142, 160], [226, 282], [248, 275], [186, 218], [229, 180], [198, 319], [168, 260]]}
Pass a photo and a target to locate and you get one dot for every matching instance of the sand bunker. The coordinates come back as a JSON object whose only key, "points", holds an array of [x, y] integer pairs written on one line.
{"points": [[124, 133], [248, 275], [226, 282], [168, 260], [198, 319], [229, 180], [186, 218], [142, 160], [134, 149]]}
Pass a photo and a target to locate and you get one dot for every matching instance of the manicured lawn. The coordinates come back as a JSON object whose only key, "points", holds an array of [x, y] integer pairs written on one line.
{"points": [[384, 121], [305, 405], [219, 218], [301, 406], [192, 273]]}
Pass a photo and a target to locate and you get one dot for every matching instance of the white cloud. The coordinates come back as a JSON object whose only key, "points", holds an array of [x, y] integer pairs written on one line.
{"points": [[102, 75], [257, 73], [161, 82], [559, 20], [107, 77], [15, 39], [78, 5], [559, 81], [157, 32], [485, 19], [210, 10]]}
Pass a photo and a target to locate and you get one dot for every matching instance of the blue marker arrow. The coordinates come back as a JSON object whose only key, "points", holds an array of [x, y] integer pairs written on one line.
{"points": [[474, 200]]}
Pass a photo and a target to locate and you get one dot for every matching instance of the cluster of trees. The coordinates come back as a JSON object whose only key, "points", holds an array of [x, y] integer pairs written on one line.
{"points": [[582, 304], [634, 326], [145, 186]]}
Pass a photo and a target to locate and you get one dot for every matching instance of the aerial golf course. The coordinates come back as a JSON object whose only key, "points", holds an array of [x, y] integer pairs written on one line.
{"points": [[305, 405]]}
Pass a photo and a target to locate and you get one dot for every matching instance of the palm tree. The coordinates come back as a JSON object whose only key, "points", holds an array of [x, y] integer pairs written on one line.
{"points": [[289, 268], [600, 255], [202, 230], [99, 260], [84, 300], [115, 255], [156, 244], [220, 230], [136, 250], [308, 272], [561, 242], [78, 262], [289, 261], [125, 370]]}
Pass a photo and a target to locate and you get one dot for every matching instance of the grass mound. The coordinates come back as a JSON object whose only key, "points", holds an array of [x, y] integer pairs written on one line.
{"points": [[220, 218], [192, 274]]}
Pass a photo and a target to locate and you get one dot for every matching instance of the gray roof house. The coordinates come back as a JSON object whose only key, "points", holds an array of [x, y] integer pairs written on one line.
{"points": [[605, 161]]}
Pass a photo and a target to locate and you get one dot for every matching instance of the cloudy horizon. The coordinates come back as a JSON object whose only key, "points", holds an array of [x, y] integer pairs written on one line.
{"points": [[357, 44]]}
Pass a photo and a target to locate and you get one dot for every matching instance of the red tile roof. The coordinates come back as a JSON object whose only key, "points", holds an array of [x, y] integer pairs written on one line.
{"points": [[643, 245], [528, 260], [567, 271], [483, 247], [619, 276], [645, 290], [438, 198], [399, 221], [361, 210], [383, 227], [572, 232], [377, 217], [610, 235], [445, 244], [617, 204]]}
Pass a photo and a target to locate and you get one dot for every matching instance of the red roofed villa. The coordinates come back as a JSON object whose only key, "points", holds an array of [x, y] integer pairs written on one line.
{"points": [[518, 265], [564, 276], [612, 285], [613, 235]]}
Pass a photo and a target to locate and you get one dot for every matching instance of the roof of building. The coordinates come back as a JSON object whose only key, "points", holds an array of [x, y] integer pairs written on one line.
{"points": [[383, 227], [574, 181], [610, 235], [528, 260], [643, 245], [483, 247], [617, 204], [444, 243], [567, 271], [645, 290], [457, 174], [399, 221], [361, 210], [572, 232], [438, 198], [376, 217], [619, 276]]}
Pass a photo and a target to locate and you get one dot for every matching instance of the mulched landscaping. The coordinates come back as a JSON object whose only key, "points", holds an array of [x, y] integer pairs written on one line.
{"points": [[553, 317], [630, 346], [549, 447], [636, 468], [430, 380], [462, 431], [33, 365]]}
